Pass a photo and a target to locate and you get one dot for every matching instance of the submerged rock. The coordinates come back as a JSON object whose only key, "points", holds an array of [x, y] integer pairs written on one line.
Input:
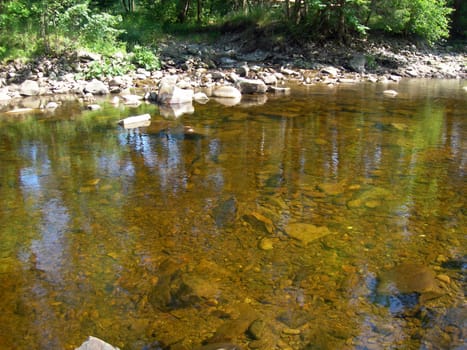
{"points": [[306, 233], [219, 346], [225, 212], [406, 286], [409, 278], [177, 288]]}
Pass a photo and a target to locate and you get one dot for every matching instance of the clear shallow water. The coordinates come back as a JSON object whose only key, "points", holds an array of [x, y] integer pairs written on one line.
{"points": [[279, 217]]}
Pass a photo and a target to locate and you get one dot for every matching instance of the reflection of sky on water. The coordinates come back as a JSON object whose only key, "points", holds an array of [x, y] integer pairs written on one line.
{"points": [[30, 177], [50, 248]]}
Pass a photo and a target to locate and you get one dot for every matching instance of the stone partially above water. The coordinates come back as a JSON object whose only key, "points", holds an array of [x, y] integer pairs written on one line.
{"points": [[94, 343], [306, 233]]}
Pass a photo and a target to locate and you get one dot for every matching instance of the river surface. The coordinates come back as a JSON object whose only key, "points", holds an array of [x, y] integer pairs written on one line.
{"points": [[264, 225]]}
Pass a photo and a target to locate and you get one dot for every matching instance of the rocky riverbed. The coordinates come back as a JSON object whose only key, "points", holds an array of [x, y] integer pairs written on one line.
{"points": [[228, 68]]}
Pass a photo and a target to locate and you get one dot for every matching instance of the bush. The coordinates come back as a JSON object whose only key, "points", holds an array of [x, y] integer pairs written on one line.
{"points": [[108, 67], [144, 57]]}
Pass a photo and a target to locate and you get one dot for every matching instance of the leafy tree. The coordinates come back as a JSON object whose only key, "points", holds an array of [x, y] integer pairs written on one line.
{"points": [[428, 19]]}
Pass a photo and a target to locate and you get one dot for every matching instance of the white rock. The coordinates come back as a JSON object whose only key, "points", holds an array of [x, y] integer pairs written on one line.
{"points": [[135, 119], [4, 97], [170, 94], [96, 87], [392, 93], [29, 88], [94, 343], [200, 97], [93, 107], [227, 92], [51, 105], [332, 71]]}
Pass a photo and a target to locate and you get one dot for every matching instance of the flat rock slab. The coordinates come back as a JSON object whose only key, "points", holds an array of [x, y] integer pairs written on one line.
{"points": [[306, 233]]}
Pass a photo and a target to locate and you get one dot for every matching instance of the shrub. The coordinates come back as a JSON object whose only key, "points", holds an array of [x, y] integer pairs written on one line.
{"points": [[144, 57], [108, 67]]}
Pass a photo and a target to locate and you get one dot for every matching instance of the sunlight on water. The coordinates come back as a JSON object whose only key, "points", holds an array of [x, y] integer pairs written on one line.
{"points": [[333, 218]]}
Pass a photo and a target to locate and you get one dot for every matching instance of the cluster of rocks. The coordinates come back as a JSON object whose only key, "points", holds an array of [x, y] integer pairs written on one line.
{"points": [[222, 70]]}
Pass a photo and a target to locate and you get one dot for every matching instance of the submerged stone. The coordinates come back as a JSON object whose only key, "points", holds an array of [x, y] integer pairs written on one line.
{"points": [[219, 346], [332, 189], [406, 286], [225, 212], [306, 233]]}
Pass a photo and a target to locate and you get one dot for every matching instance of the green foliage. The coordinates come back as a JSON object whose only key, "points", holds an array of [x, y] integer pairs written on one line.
{"points": [[108, 67], [15, 18], [144, 57], [95, 31], [31, 27], [427, 19]]}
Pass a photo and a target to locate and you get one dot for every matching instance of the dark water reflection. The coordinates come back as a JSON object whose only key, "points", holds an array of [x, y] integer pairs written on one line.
{"points": [[184, 234]]}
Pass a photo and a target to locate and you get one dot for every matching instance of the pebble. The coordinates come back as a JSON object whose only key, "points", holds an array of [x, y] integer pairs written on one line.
{"points": [[266, 244], [444, 278], [291, 331]]}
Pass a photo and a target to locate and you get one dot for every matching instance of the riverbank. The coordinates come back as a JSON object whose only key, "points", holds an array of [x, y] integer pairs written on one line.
{"points": [[234, 57]]}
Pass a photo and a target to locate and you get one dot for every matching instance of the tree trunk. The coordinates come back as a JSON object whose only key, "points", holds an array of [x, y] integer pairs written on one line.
{"points": [[370, 12], [296, 11], [128, 5], [341, 29], [199, 6], [183, 11]]}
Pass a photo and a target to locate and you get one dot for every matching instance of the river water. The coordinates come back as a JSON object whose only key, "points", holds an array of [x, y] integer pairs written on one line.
{"points": [[265, 225]]}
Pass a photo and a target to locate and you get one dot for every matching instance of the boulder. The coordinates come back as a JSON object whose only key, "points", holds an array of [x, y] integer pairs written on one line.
{"points": [[269, 78], [332, 71], [201, 97], [252, 86], [170, 93], [29, 88], [227, 92], [96, 87], [4, 95], [357, 63]]}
